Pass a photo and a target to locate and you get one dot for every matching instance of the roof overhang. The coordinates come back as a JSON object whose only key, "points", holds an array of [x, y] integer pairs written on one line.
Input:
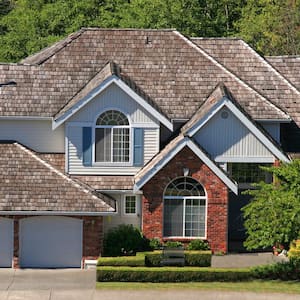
{"points": [[55, 213], [186, 142], [113, 79], [226, 102]]}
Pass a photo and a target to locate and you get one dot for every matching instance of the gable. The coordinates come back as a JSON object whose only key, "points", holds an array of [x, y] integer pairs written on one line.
{"points": [[113, 97], [227, 139]]}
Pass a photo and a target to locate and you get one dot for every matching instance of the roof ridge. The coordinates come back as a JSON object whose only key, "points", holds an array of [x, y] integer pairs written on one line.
{"points": [[229, 72], [57, 172], [216, 38], [126, 29], [271, 67], [283, 56]]}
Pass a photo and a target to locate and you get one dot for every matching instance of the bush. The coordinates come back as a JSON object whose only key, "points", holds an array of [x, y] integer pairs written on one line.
{"points": [[294, 251], [284, 271], [124, 240], [170, 274], [155, 244], [171, 244], [198, 245], [197, 258], [153, 259], [130, 261]]}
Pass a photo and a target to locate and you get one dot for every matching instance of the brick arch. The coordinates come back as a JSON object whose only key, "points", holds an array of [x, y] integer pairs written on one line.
{"points": [[217, 198]]}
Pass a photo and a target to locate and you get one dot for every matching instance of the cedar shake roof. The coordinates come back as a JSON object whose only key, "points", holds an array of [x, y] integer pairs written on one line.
{"points": [[28, 183], [242, 60], [289, 66], [172, 71]]}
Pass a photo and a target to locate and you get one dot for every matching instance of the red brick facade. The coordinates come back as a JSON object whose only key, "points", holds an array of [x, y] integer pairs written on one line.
{"points": [[92, 241], [216, 191]]}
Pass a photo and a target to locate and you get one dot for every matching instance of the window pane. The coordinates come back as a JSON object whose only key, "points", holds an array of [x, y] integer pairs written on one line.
{"points": [[120, 144], [184, 186], [112, 117], [103, 144], [195, 218], [173, 217], [130, 205]]}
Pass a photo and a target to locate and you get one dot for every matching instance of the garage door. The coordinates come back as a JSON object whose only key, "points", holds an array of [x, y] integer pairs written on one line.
{"points": [[6, 242], [50, 242]]}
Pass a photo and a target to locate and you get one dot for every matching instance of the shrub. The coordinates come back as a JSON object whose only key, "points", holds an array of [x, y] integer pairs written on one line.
{"points": [[130, 261], [123, 240], [294, 251], [197, 258], [153, 259], [289, 270], [155, 244], [198, 245], [172, 244], [171, 274]]}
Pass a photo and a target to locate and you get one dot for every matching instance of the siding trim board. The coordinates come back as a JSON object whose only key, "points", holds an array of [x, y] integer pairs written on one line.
{"points": [[105, 84], [225, 102]]}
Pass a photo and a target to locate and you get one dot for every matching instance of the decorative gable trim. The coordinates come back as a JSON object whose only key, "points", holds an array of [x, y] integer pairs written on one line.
{"points": [[113, 79], [185, 142], [225, 101]]}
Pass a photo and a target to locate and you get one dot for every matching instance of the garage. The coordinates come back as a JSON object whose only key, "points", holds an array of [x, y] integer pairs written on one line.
{"points": [[50, 242], [7, 242]]}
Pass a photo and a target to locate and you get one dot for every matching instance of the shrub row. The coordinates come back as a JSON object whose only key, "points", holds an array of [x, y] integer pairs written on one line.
{"points": [[171, 274], [153, 259]]}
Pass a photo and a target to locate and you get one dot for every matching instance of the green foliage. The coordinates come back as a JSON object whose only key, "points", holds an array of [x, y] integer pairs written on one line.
{"points": [[271, 27], [173, 244], [153, 259], [170, 274], [155, 244], [197, 258], [198, 245], [130, 261], [273, 216], [124, 240], [294, 251], [284, 271]]}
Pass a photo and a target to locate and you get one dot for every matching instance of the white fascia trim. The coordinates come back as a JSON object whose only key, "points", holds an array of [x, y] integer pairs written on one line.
{"points": [[120, 192], [187, 142], [56, 213], [273, 120], [245, 159], [106, 83], [252, 128], [26, 118], [230, 184]]}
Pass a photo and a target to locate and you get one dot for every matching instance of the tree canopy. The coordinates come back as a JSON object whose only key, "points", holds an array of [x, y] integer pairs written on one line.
{"points": [[273, 216]]}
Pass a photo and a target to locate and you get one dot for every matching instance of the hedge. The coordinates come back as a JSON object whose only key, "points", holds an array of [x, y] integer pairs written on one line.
{"points": [[170, 274], [130, 261]]}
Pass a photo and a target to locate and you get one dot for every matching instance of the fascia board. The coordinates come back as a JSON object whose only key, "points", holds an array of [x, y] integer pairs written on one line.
{"points": [[230, 184], [105, 84], [56, 213]]}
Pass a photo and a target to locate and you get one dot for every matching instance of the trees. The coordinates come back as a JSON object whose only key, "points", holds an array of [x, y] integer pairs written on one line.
{"points": [[273, 216]]}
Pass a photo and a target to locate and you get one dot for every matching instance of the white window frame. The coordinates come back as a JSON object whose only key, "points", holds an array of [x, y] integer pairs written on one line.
{"points": [[136, 205], [112, 163]]}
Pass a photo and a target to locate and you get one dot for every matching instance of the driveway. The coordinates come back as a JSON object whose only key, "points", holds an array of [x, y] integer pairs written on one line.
{"points": [[80, 285]]}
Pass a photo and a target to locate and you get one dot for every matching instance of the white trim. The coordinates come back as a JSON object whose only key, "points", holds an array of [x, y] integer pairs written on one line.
{"points": [[223, 68], [124, 206], [244, 159], [127, 192], [54, 213], [273, 120], [202, 156], [145, 125], [29, 118], [102, 86], [244, 120]]}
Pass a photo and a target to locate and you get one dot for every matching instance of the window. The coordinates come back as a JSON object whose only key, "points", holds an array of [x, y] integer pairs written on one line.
{"points": [[112, 142], [249, 172], [184, 208], [130, 205]]}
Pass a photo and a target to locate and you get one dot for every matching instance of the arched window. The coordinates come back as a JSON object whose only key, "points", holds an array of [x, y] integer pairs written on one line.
{"points": [[184, 208], [112, 134]]}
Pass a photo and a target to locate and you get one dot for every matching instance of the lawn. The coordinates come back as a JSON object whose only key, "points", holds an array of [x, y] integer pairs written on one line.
{"points": [[267, 286]]}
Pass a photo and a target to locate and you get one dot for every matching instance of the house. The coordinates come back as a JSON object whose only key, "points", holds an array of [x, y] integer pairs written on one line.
{"points": [[142, 127]]}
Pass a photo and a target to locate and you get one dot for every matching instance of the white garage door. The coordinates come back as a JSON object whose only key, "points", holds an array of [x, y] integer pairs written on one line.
{"points": [[6, 242], [50, 242]]}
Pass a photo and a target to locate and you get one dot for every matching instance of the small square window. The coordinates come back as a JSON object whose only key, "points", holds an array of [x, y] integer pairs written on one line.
{"points": [[130, 205]]}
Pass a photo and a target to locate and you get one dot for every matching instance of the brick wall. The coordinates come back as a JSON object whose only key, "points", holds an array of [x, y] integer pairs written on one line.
{"points": [[92, 237], [217, 198]]}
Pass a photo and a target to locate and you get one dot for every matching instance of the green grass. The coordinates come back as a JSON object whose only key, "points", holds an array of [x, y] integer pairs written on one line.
{"points": [[271, 286]]}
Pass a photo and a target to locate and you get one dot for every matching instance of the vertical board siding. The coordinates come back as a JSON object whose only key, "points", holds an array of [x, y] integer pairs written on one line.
{"points": [[35, 134], [229, 138], [113, 97]]}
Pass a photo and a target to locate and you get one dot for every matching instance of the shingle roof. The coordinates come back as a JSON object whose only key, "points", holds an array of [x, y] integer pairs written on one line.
{"points": [[28, 183], [170, 69], [242, 60]]}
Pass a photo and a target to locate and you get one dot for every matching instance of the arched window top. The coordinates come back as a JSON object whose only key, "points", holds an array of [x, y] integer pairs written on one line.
{"points": [[112, 118], [184, 186]]}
